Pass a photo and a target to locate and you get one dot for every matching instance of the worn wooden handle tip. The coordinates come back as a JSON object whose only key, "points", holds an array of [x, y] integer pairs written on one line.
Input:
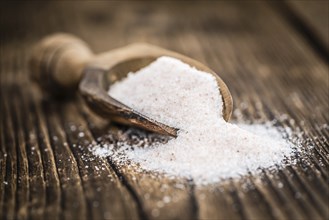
{"points": [[57, 61]]}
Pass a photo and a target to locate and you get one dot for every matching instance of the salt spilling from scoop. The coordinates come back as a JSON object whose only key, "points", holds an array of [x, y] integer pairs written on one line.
{"points": [[207, 147]]}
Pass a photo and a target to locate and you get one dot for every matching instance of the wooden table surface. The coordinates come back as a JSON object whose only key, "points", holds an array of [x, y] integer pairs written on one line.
{"points": [[273, 57]]}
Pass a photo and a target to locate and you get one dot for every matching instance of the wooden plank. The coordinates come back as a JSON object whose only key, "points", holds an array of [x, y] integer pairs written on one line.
{"points": [[72, 201], [158, 197], [104, 188], [272, 72], [316, 16], [3, 153], [10, 180], [3, 157], [37, 194], [23, 184]]}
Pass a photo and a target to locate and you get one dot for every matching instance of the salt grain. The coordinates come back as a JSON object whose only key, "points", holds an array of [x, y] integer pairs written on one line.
{"points": [[207, 148], [81, 134], [166, 199]]}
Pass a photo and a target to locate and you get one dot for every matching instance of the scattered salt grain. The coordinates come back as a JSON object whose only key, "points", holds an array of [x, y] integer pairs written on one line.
{"points": [[166, 199], [207, 148], [81, 134]]}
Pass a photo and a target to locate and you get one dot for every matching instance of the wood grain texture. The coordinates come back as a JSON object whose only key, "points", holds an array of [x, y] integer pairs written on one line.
{"points": [[46, 170], [316, 15]]}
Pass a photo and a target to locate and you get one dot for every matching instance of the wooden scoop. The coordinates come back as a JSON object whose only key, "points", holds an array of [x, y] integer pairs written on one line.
{"points": [[61, 63]]}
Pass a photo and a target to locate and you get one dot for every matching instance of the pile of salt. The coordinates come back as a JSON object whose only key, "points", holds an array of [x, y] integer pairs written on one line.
{"points": [[207, 148]]}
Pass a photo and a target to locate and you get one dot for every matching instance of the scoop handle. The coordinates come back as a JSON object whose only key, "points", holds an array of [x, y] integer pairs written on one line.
{"points": [[57, 63]]}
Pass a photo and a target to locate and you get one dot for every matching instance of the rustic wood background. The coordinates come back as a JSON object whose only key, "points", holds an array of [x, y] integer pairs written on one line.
{"points": [[273, 57]]}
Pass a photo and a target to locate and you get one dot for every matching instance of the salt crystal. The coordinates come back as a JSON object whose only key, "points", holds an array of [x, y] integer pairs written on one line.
{"points": [[207, 148], [280, 185], [55, 138], [81, 134], [73, 128], [166, 199]]}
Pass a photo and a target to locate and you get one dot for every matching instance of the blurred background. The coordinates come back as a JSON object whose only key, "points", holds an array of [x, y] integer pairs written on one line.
{"points": [[237, 39]]}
